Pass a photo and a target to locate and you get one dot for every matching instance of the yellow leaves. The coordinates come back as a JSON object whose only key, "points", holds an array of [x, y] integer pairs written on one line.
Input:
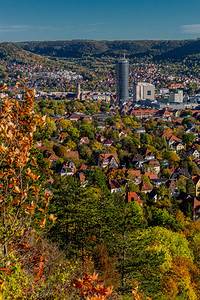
{"points": [[30, 208], [3, 148], [30, 93], [43, 222], [34, 161], [4, 87], [39, 121], [36, 189], [52, 218], [44, 118], [34, 177], [2, 287], [42, 210], [16, 200], [17, 190], [9, 135], [18, 84]]}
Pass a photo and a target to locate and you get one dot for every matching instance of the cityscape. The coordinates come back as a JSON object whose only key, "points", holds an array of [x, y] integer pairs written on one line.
{"points": [[100, 150]]}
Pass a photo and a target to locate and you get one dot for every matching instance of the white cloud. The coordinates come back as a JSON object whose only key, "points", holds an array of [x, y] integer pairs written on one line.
{"points": [[20, 27], [194, 28]]}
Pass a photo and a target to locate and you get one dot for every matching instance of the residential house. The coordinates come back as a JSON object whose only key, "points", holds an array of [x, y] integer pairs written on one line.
{"points": [[171, 184], [115, 185], [196, 181], [181, 171], [62, 137], [152, 166], [140, 130], [170, 138], [108, 160], [151, 175], [133, 196], [138, 160], [82, 179], [135, 175], [53, 159], [123, 133], [177, 146], [185, 199], [195, 153], [107, 143], [149, 155], [145, 188], [83, 167], [67, 168], [158, 182], [84, 140]]}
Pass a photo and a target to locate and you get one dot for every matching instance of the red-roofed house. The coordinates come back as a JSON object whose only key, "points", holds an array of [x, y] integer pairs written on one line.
{"points": [[145, 188], [108, 160], [83, 167], [115, 185], [133, 196], [84, 140], [196, 180], [151, 175]]}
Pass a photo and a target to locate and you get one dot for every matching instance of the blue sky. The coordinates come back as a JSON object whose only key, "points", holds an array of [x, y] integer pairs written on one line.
{"points": [[26, 20]]}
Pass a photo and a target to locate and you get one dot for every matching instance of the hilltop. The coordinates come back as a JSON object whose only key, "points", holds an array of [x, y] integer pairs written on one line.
{"points": [[156, 49]]}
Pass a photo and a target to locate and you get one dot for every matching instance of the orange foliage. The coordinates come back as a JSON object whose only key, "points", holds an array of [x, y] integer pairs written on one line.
{"points": [[91, 287], [136, 295], [19, 186], [182, 269]]}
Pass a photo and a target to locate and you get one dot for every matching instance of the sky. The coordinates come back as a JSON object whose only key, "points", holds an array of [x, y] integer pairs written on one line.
{"points": [[42, 20]]}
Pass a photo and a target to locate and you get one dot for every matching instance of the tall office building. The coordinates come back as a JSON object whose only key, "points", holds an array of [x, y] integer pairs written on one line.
{"points": [[122, 76], [78, 90]]}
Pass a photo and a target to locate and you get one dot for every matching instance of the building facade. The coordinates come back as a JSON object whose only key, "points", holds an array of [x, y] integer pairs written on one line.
{"points": [[176, 97], [122, 76], [143, 91]]}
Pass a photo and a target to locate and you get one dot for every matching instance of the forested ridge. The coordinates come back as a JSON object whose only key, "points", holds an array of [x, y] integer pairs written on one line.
{"points": [[158, 50]]}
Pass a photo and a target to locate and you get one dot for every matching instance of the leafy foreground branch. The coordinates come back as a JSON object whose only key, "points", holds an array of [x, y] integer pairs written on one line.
{"points": [[26, 258]]}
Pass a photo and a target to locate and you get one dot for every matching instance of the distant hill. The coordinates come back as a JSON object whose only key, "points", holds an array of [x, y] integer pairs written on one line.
{"points": [[157, 50], [14, 52], [172, 49]]}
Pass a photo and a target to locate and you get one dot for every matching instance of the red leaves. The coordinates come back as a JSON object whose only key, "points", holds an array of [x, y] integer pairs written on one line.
{"points": [[6, 269], [90, 286]]}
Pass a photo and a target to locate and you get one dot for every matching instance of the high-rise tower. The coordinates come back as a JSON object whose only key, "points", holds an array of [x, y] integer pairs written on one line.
{"points": [[78, 90], [122, 74]]}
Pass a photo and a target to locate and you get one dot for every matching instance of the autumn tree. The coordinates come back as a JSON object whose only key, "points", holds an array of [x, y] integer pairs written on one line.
{"points": [[23, 203]]}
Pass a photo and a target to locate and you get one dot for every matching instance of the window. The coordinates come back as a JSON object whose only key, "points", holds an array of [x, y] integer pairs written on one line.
{"points": [[148, 93]]}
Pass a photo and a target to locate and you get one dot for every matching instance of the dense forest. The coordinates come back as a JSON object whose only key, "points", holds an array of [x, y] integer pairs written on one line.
{"points": [[172, 49], [175, 50]]}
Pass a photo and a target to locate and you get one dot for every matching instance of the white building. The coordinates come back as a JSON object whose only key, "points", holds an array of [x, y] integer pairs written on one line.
{"points": [[143, 91], [176, 96]]}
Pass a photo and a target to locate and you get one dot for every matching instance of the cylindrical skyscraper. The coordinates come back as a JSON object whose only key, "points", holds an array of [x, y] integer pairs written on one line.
{"points": [[122, 74]]}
